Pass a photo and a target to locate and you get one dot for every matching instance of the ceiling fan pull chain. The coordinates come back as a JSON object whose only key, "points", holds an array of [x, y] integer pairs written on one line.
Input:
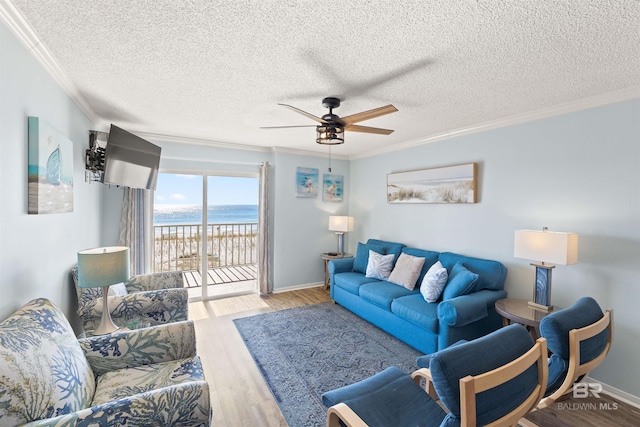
{"points": [[329, 159]]}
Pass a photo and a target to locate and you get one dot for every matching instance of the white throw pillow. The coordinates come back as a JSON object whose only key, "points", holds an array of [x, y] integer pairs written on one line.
{"points": [[379, 266], [118, 290], [406, 271], [434, 282]]}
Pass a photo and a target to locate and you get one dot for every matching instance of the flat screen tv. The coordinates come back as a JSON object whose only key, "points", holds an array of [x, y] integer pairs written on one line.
{"points": [[130, 161]]}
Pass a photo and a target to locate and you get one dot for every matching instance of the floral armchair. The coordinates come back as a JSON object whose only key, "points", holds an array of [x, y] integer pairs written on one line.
{"points": [[155, 298], [145, 377]]}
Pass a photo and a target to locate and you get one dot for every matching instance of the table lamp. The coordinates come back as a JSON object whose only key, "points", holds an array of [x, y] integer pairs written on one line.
{"points": [[102, 267], [548, 247], [341, 225]]}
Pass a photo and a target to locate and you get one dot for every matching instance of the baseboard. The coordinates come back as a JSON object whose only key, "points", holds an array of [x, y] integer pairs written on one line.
{"points": [[621, 395], [298, 287]]}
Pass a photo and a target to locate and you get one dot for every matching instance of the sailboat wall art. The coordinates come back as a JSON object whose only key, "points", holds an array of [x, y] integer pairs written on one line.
{"points": [[50, 169]]}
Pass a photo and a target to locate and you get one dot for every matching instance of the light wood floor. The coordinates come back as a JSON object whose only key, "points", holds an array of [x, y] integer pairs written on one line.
{"points": [[240, 397]]}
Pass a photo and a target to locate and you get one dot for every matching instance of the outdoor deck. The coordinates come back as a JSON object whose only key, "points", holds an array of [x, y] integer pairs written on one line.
{"points": [[222, 275]]}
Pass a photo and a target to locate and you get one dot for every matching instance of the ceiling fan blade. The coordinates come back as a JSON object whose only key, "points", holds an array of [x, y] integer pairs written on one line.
{"points": [[304, 113], [367, 129], [366, 115], [285, 127]]}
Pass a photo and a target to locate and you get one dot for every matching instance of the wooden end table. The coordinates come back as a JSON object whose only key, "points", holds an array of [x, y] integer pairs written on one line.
{"points": [[326, 257], [519, 311]]}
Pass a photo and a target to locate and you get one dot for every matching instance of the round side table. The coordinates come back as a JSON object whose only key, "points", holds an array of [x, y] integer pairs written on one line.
{"points": [[519, 311], [326, 257]]}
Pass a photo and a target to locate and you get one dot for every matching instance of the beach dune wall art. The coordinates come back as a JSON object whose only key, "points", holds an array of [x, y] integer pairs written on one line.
{"points": [[50, 169], [450, 184]]}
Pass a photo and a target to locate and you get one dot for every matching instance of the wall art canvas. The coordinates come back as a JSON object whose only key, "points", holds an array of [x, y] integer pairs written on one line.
{"points": [[332, 187], [451, 184], [50, 169], [306, 182]]}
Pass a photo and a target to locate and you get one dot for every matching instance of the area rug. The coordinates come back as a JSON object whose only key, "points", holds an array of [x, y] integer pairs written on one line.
{"points": [[306, 351]]}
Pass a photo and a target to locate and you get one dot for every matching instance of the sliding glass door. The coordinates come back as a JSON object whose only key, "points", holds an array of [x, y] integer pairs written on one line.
{"points": [[207, 226]]}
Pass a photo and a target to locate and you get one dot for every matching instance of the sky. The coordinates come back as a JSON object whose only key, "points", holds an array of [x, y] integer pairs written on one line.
{"points": [[175, 189]]}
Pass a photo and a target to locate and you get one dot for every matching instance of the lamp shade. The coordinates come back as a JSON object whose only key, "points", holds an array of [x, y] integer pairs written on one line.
{"points": [[103, 266], [341, 224], [546, 246]]}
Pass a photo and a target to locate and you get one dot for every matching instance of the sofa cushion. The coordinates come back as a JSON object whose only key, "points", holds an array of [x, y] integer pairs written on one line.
{"points": [[461, 282], [391, 247], [379, 266], [383, 293], [352, 281], [433, 282], [361, 259], [492, 273], [430, 258], [406, 271], [44, 371], [416, 310], [123, 383]]}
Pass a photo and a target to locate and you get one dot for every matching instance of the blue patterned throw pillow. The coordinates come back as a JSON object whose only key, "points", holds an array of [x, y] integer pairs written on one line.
{"points": [[379, 266]]}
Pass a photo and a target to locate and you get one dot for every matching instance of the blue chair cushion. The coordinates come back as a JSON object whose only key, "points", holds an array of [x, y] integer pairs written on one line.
{"points": [[461, 282], [556, 326], [479, 356], [389, 398], [557, 373], [361, 260], [416, 310], [383, 293], [423, 361], [352, 281]]}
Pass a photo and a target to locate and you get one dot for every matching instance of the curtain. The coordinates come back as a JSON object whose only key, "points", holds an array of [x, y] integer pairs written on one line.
{"points": [[264, 283], [136, 225]]}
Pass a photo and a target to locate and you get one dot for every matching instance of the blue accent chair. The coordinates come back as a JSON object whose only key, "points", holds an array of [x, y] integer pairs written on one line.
{"points": [[580, 338], [496, 378]]}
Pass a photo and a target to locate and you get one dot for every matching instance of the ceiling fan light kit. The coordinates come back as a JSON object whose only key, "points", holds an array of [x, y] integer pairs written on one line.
{"points": [[331, 129]]}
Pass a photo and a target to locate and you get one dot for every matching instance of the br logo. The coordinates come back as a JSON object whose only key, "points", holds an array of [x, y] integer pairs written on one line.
{"points": [[582, 390]]}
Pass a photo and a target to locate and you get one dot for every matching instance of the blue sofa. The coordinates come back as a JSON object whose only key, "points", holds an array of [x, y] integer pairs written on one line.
{"points": [[404, 313]]}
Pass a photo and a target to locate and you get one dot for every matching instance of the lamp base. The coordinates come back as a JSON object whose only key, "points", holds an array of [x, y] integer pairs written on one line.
{"points": [[542, 288], [340, 243], [106, 325]]}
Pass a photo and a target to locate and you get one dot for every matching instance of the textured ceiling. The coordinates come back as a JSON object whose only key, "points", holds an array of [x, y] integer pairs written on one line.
{"points": [[216, 70]]}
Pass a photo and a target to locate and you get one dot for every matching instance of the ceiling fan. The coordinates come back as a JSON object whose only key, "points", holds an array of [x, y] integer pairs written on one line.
{"points": [[331, 129]]}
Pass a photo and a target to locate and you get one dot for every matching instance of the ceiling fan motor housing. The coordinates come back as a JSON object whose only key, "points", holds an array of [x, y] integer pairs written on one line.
{"points": [[331, 102]]}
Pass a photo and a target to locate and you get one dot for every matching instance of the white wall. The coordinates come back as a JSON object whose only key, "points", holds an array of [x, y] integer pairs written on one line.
{"points": [[577, 172], [38, 251]]}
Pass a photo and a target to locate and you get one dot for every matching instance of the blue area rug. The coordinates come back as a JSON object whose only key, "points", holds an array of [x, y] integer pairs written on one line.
{"points": [[306, 351]]}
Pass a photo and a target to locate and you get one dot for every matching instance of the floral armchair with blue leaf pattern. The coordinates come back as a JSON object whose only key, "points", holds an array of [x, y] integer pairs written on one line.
{"points": [[155, 298], [144, 377]]}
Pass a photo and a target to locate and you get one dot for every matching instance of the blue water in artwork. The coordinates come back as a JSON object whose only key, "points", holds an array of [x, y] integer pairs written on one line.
{"points": [[192, 214]]}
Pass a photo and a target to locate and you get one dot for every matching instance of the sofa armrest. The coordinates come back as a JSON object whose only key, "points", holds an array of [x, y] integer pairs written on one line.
{"points": [[155, 281], [185, 404], [341, 265], [125, 349], [466, 309]]}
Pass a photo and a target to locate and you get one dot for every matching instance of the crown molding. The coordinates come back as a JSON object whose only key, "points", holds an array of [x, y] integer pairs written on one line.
{"points": [[23, 31], [158, 137], [613, 97], [309, 153]]}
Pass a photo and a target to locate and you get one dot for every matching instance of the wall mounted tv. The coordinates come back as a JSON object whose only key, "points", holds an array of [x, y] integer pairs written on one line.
{"points": [[130, 161]]}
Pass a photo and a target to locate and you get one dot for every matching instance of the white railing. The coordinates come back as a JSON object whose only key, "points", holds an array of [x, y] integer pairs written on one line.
{"points": [[177, 246]]}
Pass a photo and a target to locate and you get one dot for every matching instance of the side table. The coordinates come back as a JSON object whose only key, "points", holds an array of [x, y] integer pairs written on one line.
{"points": [[519, 311], [326, 257]]}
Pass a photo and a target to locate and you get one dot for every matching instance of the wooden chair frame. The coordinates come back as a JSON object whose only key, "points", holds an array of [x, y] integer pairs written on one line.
{"points": [[575, 370], [469, 387]]}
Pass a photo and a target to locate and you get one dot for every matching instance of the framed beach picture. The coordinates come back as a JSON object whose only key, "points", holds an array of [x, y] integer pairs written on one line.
{"points": [[306, 182], [50, 170], [332, 187], [451, 184]]}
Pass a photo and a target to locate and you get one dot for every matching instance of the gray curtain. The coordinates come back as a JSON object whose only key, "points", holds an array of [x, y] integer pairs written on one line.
{"points": [[136, 225], [264, 283]]}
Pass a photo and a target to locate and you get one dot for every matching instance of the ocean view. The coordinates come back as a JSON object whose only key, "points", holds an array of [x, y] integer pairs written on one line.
{"points": [[192, 214]]}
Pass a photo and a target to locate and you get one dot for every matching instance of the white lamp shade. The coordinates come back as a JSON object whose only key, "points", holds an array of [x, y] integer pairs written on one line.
{"points": [[341, 224], [546, 246], [103, 266]]}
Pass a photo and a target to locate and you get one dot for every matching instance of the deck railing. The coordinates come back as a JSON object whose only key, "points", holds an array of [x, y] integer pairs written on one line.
{"points": [[177, 246]]}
